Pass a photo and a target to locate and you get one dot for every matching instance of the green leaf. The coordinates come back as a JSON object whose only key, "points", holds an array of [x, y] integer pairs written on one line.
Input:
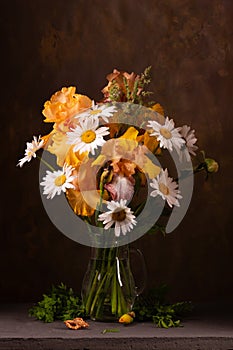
{"points": [[110, 330], [61, 303], [154, 307]]}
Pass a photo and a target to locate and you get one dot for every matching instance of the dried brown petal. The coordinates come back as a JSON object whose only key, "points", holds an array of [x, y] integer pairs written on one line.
{"points": [[76, 323]]}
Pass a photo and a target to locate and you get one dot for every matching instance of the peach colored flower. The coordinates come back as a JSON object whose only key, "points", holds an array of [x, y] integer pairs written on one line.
{"points": [[126, 155], [65, 104], [116, 80]]}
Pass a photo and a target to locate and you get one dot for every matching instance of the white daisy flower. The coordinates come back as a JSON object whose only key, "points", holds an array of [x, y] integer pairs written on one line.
{"points": [[120, 215], [165, 187], [31, 149], [189, 138], [87, 137], [58, 181], [97, 111], [167, 134]]}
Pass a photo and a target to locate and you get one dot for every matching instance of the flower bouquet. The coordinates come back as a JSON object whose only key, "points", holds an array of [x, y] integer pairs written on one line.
{"points": [[113, 164]]}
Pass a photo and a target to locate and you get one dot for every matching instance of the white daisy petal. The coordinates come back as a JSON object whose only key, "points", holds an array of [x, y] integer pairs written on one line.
{"points": [[190, 139], [58, 181], [32, 148], [97, 111], [88, 136], [118, 229], [109, 224], [120, 215], [168, 136], [165, 187]]}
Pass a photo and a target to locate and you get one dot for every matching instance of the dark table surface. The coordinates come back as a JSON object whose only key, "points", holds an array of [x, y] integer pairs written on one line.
{"points": [[207, 327]]}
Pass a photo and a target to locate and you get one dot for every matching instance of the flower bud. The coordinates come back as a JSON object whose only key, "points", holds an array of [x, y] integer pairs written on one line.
{"points": [[212, 165]]}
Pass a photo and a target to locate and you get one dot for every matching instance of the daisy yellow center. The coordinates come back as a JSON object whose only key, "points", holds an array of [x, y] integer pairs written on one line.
{"points": [[88, 136], [119, 215], [60, 180], [95, 111], [164, 189], [165, 133]]}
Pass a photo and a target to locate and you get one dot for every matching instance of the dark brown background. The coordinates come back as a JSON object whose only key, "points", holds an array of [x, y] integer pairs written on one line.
{"points": [[49, 44]]}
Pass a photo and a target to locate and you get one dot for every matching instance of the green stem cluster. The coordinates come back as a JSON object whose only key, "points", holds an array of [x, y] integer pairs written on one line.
{"points": [[108, 290]]}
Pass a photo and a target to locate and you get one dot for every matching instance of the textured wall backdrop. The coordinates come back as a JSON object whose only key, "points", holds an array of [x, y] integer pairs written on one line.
{"points": [[49, 44]]}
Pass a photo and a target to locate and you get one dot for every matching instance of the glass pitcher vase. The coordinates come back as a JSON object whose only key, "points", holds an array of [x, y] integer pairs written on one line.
{"points": [[109, 289]]}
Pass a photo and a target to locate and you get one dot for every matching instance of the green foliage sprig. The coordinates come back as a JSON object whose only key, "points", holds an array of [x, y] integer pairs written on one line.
{"points": [[153, 307], [61, 303]]}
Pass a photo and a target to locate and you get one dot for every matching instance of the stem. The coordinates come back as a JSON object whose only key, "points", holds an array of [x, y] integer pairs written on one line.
{"points": [[126, 278], [99, 206], [106, 297], [114, 294], [105, 293], [45, 163], [119, 301], [122, 305], [98, 292], [92, 291], [197, 169]]}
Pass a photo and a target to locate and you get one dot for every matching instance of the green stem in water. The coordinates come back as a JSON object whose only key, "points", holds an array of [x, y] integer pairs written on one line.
{"points": [[114, 294], [104, 294], [126, 278], [120, 298], [98, 292], [91, 293]]}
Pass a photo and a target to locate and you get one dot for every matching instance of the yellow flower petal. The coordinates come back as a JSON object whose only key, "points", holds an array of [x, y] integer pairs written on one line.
{"points": [[158, 108], [131, 134], [84, 203], [150, 168], [78, 204], [47, 139], [100, 160], [59, 147], [150, 142], [75, 158]]}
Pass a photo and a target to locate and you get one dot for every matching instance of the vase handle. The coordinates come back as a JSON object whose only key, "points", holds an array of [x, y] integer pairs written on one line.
{"points": [[143, 272]]}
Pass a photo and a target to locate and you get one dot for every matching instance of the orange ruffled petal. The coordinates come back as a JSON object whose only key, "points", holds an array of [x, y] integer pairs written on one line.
{"points": [[64, 104], [123, 167]]}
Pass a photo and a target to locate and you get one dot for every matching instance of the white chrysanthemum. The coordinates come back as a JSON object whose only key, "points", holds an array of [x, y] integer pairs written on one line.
{"points": [[165, 187], [190, 139], [87, 136], [120, 215], [58, 181], [31, 149], [167, 135], [97, 111]]}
